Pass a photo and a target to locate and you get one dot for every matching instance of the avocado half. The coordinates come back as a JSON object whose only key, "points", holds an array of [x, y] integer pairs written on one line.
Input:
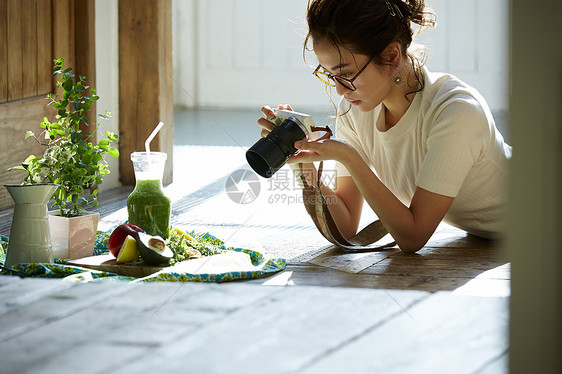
{"points": [[153, 250]]}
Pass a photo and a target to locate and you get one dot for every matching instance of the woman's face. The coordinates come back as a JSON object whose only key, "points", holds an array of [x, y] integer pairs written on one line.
{"points": [[373, 85]]}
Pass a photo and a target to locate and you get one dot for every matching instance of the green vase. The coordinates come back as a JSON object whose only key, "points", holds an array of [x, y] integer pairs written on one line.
{"points": [[30, 239]]}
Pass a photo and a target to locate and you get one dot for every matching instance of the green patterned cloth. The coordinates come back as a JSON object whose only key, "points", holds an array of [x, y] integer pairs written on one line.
{"points": [[233, 264]]}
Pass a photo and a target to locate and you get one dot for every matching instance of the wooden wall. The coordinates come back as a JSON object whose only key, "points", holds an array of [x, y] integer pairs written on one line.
{"points": [[33, 33], [25, 51]]}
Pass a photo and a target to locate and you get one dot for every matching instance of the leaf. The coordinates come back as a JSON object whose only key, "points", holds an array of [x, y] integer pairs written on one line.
{"points": [[75, 173], [113, 152], [28, 134], [75, 137], [111, 136], [67, 85], [97, 158]]}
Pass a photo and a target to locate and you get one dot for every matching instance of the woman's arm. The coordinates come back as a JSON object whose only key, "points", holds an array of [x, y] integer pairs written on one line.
{"points": [[347, 206], [411, 227]]}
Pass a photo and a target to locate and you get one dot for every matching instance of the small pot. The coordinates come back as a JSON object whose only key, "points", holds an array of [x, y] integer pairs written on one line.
{"points": [[73, 237]]}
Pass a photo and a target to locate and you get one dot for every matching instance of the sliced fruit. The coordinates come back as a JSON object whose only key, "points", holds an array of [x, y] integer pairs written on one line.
{"points": [[153, 250], [118, 236], [129, 250]]}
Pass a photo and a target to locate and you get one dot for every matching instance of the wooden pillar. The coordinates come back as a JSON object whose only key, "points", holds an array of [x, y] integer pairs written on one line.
{"points": [[85, 53], [74, 40], [63, 33], [145, 81], [535, 216]]}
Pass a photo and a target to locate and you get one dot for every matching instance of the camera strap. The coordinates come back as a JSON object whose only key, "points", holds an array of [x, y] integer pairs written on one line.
{"points": [[367, 240]]}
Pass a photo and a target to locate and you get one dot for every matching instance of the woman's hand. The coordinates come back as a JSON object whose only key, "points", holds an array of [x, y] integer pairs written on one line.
{"points": [[265, 122], [328, 149]]}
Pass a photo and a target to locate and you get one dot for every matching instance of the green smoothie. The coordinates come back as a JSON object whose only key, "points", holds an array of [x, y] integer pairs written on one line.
{"points": [[149, 208]]}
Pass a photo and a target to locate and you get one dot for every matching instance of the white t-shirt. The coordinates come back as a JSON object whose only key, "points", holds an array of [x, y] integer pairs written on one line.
{"points": [[446, 143]]}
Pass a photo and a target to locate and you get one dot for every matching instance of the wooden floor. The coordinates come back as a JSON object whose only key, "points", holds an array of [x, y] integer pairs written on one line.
{"points": [[451, 261], [49, 326], [442, 310]]}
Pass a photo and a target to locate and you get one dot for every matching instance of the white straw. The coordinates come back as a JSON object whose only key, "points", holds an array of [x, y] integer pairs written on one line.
{"points": [[151, 136]]}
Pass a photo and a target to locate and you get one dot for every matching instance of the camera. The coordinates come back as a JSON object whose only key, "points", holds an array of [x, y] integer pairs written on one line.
{"points": [[269, 154]]}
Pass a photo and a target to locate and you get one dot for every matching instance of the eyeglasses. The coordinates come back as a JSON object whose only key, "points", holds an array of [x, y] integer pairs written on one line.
{"points": [[331, 79]]}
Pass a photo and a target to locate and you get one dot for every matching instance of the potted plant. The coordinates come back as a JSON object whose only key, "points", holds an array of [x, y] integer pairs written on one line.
{"points": [[72, 162]]}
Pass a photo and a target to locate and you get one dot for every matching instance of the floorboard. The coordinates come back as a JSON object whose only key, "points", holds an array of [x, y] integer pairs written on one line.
{"points": [[444, 309]]}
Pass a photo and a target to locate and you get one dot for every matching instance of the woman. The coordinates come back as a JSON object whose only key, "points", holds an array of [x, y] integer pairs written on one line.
{"points": [[430, 138]]}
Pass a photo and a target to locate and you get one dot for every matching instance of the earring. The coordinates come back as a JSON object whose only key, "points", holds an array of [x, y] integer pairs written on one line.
{"points": [[397, 79]]}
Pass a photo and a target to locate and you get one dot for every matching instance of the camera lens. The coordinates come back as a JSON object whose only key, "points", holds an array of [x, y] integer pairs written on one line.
{"points": [[269, 154]]}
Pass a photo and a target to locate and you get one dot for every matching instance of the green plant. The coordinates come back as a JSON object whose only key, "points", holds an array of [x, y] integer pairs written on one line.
{"points": [[71, 160]]}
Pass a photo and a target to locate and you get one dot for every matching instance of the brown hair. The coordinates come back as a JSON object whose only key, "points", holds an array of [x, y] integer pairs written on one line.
{"points": [[368, 26]]}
